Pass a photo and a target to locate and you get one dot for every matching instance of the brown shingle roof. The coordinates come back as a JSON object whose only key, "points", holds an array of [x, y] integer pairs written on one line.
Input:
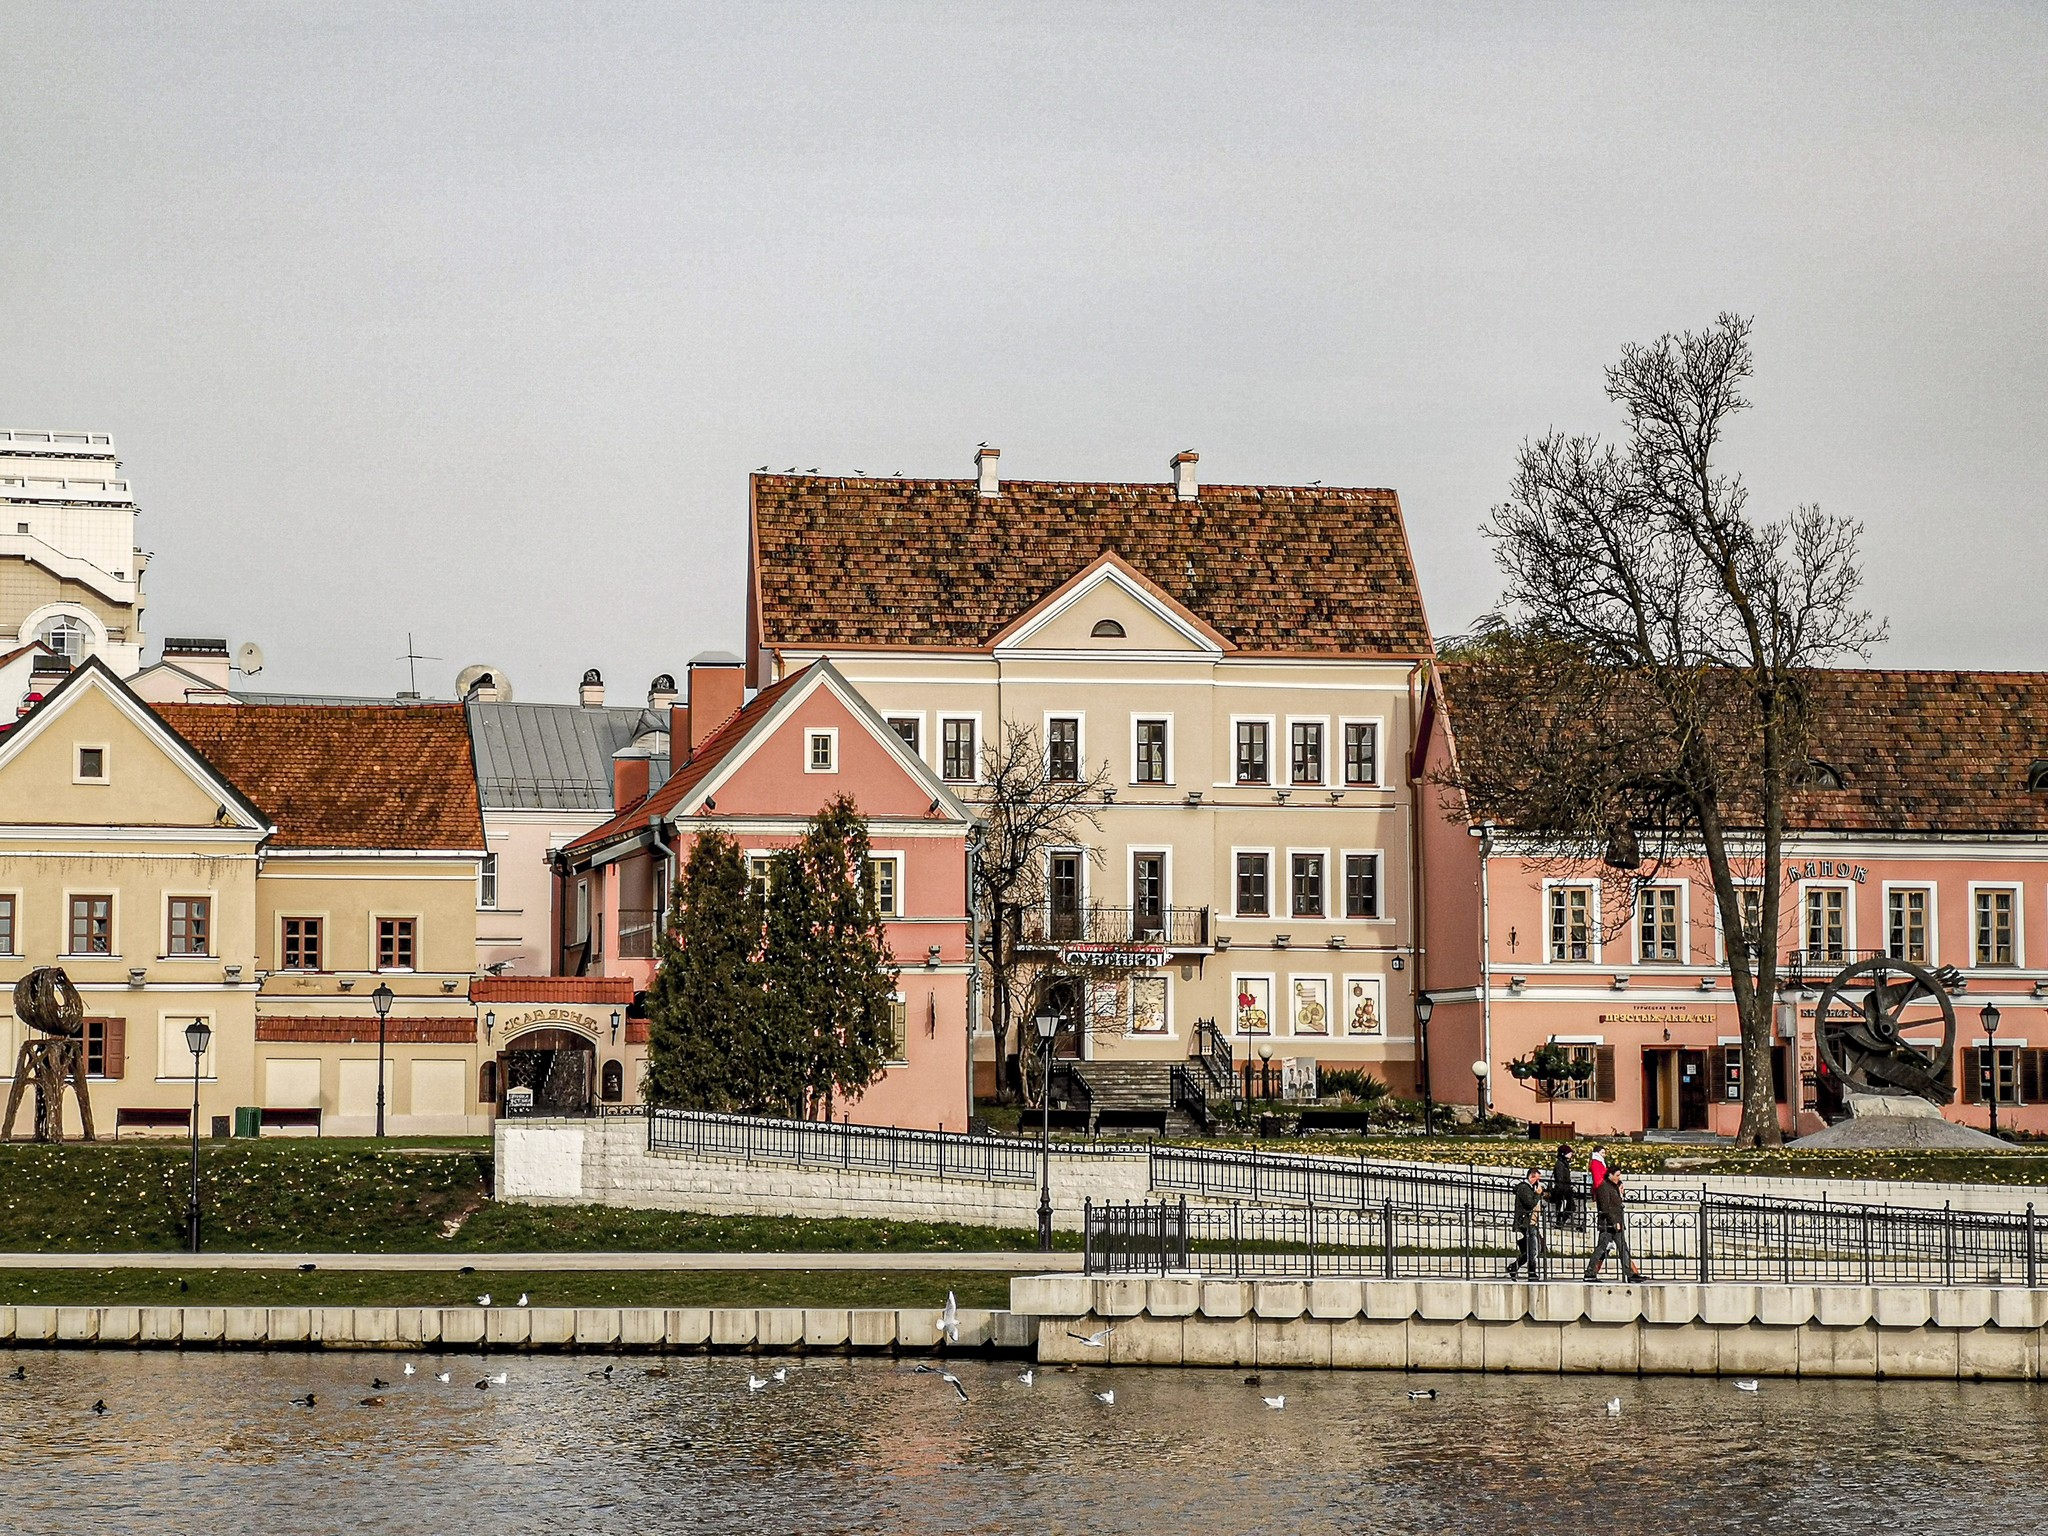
{"points": [[323, 1030], [551, 989], [336, 776], [930, 563]]}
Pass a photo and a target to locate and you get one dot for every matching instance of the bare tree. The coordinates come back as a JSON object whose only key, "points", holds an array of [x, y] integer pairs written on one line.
{"points": [[1026, 813], [1640, 690]]}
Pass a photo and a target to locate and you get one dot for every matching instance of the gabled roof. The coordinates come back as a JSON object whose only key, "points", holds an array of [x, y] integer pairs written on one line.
{"points": [[93, 674], [1114, 570], [686, 791], [335, 776], [554, 756], [932, 564]]}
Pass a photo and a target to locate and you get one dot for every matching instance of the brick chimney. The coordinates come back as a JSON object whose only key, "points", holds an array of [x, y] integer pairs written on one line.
{"points": [[591, 694], [678, 735], [632, 772], [985, 470], [1185, 486], [718, 686]]}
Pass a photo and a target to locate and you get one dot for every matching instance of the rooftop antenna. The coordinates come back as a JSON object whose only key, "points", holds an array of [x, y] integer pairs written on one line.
{"points": [[412, 658]]}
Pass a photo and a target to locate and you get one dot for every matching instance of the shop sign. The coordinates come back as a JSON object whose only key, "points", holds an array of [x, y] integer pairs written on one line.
{"points": [[1824, 869], [1650, 1015], [1120, 957], [548, 1018]]}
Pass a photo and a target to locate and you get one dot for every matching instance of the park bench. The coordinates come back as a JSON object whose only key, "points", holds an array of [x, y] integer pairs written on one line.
{"points": [[126, 1116], [1141, 1121], [287, 1116], [1057, 1119], [1316, 1122]]}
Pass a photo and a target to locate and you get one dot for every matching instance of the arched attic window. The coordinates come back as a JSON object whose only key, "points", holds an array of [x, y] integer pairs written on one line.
{"points": [[1820, 775], [2037, 776], [1107, 629]]}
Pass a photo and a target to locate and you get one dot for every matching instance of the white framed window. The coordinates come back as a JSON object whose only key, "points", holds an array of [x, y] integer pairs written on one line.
{"points": [[1572, 924], [10, 938], [885, 874], [1064, 748], [174, 1054], [1307, 751], [1152, 749], [821, 749], [1824, 923], [909, 729], [89, 763], [960, 748], [1364, 897], [1252, 1013], [70, 635], [580, 934], [1586, 1049], [1360, 745], [487, 881], [1995, 926], [1253, 879], [1251, 752], [397, 943], [1660, 924], [188, 926], [1308, 876], [1909, 923], [1151, 871], [760, 873], [1308, 1007], [1148, 1011], [89, 929]]}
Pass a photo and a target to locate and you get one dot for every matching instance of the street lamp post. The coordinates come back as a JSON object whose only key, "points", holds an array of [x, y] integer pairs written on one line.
{"points": [[1265, 1069], [197, 1037], [1988, 1016], [1482, 1072], [381, 1001], [1047, 1024], [1425, 1005]]}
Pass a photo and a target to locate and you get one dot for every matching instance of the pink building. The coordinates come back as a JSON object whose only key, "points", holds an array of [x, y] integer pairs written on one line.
{"points": [[758, 773], [1923, 835]]}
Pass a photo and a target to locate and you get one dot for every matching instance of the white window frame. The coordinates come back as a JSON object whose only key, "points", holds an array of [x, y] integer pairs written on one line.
{"points": [[326, 932], [1291, 914], [1165, 852], [1330, 1007], [212, 900], [829, 734], [890, 717], [1933, 894], [170, 1026], [895, 861], [106, 752], [487, 876], [1587, 1090], [113, 895], [1272, 981], [1592, 888], [1806, 889], [1260, 917], [1080, 719], [579, 916], [1271, 781], [13, 951], [1322, 781], [1635, 923], [1166, 718], [2019, 933], [1168, 1033], [414, 918], [940, 721], [1379, 857], [1721, 928], [904, 1060], [1379, 752]]}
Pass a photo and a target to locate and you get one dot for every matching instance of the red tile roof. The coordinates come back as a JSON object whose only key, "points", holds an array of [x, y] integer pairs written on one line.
{"points": [[313, 1029], [339, 776], [551, 989], [651, 808], [840, 563]]}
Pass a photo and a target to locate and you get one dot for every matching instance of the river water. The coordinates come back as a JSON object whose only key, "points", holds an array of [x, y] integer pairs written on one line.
{"points": [[213, 1443]]}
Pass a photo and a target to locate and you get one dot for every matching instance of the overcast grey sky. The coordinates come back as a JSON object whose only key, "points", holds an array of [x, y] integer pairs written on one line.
{"points": [[471, 320]]}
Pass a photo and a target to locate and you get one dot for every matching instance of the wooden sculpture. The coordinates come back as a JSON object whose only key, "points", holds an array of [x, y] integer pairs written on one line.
{"points": [[46, 1001]]}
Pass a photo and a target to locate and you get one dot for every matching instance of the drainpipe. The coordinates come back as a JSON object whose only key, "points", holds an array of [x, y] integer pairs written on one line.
{"points": [[1484, 832], [973, 959]]}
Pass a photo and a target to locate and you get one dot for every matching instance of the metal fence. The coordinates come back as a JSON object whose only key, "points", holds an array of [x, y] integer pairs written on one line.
{"points": [[1472, 1237], [819, 1143]]}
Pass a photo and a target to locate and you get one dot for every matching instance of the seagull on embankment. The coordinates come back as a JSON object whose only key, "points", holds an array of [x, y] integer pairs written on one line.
{"points": [[484, 1300]]}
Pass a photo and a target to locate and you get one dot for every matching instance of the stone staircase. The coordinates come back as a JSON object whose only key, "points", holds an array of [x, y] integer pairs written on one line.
{"points": [[1134, 1087]]}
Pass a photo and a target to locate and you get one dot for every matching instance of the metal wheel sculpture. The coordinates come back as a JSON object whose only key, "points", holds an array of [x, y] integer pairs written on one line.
{"points": [[45, 1000], [1860, 1024]]}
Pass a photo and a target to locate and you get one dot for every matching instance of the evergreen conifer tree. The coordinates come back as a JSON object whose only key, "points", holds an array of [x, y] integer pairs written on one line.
{"points": [[704, 1012]]}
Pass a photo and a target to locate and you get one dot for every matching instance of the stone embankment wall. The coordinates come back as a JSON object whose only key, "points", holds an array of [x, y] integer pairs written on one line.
{"points": [[607, 1162], [1990, 1334], [474, 1329]]}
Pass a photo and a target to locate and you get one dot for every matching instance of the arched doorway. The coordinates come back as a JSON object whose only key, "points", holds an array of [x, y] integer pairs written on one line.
{"points": [[558, 1065], [1066, 998]]}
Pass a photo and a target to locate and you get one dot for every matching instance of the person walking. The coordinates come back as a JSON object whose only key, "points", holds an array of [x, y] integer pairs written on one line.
{"points": [[1596, 1168], [1612, 1218], [1561, 1191], [1528, 1231]]}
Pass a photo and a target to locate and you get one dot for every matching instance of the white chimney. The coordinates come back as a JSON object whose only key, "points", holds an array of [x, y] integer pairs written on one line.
{"points": [[985, 470], [1184, 483], [591, 694], [661, 693]]}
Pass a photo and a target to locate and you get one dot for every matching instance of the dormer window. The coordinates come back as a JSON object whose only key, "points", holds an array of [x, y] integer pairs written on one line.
{"points": [[2037, 776], [1819, 775], [1107, 629]]}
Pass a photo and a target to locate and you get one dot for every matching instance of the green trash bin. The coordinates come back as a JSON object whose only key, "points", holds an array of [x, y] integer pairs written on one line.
{"points": [[248, 1120]]}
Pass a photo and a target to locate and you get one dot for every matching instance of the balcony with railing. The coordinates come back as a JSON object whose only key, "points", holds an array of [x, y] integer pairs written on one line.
{"points": [[636, 932], [1173, 928], [1819, 964]]}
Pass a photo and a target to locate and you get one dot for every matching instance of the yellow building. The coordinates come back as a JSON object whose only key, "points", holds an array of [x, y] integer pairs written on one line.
{"points": [[264, 868]]}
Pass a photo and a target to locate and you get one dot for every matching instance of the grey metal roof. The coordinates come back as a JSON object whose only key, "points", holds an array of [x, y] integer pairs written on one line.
{"points": [[554, 756]]}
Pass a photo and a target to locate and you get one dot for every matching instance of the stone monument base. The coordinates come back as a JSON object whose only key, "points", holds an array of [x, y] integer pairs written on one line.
{"points": [[1904, 1122]]}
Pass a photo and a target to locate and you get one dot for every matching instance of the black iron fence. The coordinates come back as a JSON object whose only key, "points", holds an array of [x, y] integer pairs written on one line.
{"points": [[1710, 1240], [821, 1143]]}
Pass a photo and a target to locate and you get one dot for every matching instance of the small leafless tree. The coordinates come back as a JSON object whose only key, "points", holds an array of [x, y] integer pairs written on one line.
{"points": [[1026, 813], [1638, 694]]}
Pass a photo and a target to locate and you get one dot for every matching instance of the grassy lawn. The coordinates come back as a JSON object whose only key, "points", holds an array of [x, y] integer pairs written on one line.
{"points": [[370, 1288], [334, 1195]]}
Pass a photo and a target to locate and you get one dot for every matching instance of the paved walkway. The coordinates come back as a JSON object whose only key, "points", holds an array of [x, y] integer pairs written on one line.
{"points": [[426, 1263]]}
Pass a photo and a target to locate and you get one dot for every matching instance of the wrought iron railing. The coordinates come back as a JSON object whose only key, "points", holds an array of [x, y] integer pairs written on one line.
{"points": [[1166, 927], [1820, 962], [820, 1143], [1186, 1093], [1212, 1051]]}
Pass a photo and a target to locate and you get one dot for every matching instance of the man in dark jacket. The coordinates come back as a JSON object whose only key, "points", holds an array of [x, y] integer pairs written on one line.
{"points": [[1562, 1195], [1528, 1231], [1613, 1223]]}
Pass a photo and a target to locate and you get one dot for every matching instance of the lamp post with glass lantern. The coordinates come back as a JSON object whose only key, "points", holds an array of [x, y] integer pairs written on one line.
{"points": [[1047, 1024], [1265, 1069], [1425, 1005], [197, 1037], [1481, 1071], [1988, 1017], [381, 1001]]}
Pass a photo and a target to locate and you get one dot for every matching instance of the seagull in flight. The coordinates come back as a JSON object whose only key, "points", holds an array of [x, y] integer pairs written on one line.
{"points": [[1106, 1397], [443, 1377], [1275, 1402], [954, 1382], [1095, 1340], [949, 1321]]}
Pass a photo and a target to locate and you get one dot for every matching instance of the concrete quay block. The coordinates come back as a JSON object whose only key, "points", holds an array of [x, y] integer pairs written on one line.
{"points": [[1677, 1349], [419, 1327], [1435, 1345], [1013, 1331], [507, 1328], [869, 1327], [2016, 1308], [1562, 1301], [1150, 1341], [1926, 1353], [976, 1327], [35, 1325], [376, 1327], [78, 1325], [202, 1325], [120, 1325], [1335, 1300], [155, 1325], [1300, 1341], [1904, 1306], [1614, 1303], [1274, 1299], [1671, 1305], [333, 1325], [1785, 1306], [1749, 1351], [1443, 1301], [1390, 1300], [1123, 1296], [1997, 1354], [917, 1328], [245, 1325], [1728, 1306], [462, 1327], [1825, 1351], [1209, 1340], [1969, 1307], [1611, 1348], [1498, 1301], [824, 1328], [1173, 1296], [688, 1327], [1052, 1295], [1518, 1344], [1226, 1298], [647, 1327], [550, 1327], [1843, 1306], [731, 1328], [597, 1327], [1370, 1344], [290, 1325]]}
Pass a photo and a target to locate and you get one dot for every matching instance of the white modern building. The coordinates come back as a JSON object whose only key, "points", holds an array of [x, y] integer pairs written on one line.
{"points": [[70, 570]]}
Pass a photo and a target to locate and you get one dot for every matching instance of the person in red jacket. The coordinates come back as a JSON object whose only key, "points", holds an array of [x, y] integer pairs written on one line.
{"points": [[1596, 1166]]}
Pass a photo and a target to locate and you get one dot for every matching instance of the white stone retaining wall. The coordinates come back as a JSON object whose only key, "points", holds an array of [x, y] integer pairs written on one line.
{"points": [[1982, 1333]]}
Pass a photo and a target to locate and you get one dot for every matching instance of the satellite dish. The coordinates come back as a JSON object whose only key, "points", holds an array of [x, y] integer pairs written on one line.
{"points": [[249, 658], [488, 683]]}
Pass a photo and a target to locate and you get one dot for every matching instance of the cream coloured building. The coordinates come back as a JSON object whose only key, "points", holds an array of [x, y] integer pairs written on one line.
{"points": [[1245, 661], [70, 569]]}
